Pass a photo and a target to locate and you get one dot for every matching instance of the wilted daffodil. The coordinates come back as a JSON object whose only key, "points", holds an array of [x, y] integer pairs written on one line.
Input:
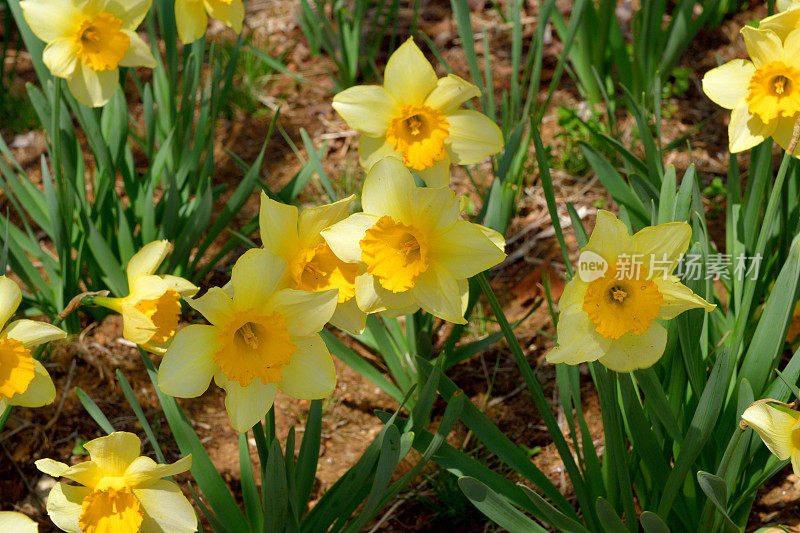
{"points": [[764, 93], [23, 380], [191, 16], [415, 251], [151, 311], [624, 284], [12, 522], [261, 340], [779, 428], [87, 42], [312, 266], [118, 490], [416, 117]]}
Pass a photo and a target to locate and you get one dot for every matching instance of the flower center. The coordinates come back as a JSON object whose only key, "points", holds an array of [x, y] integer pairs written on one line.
{"points": [[419, 133], [165, 314], [111, 510], [101, 44], [617, 304], [16, 367], [254, 346], [394, 253], [773, 91], [318, 269]]}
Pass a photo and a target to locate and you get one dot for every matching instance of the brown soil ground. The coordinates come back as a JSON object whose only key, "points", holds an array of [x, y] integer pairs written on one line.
{"points": [[90, 360]]}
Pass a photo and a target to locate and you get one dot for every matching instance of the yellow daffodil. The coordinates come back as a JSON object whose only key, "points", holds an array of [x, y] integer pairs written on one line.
{"points": [[415, 117], [11, 522], [414, 250], [191, 16], [764, 93], [262, 339], [779, 428], [118, 490], [624, 284], [87, 42], [23, 380], [312, 266], [151, 311]]}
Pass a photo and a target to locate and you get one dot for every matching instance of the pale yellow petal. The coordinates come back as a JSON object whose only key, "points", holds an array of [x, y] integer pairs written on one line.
{"points": [[87, 473], [51, 19], [434, 210], [230, 12], [306, 313], [373, 149], [366, 108], [746, 130], [773, 426], [143, 472], [246, 405], [115, 452], [791, 48], [166, 509], [278, 227], [147, 260], [139, 54], [131, 12], [344, 237], [473, 136], [310, 374], [386, 190], [12, 522], [409, 77], [51, 467], [60, 57], [450, 92], [762, 45], [373, 298], [254, 277], [578, 341], [632, 352], [64, 506], [464, 250], [609, 238], [312, 221], [678, 298], [782, 23], [216, 305], [136, 326], [726, 85], [661, 247], [10, 298], [783, 133], [184, 287], [796, 462], [437, 292], [188, 364], [438, 175], [93, 88], [349, 317], [41, 390], [191, 20], [32, 333]]}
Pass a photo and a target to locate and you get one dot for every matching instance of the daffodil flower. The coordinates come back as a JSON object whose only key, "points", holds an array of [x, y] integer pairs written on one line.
{"points": [[764, 93], [779, 428], [118, 490], [312, 266], [87, 42], [414, 250], [415, 117], [24, 381], [191, 16], [610, 310], [151, 311], [262, 339], [13, 522]]}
